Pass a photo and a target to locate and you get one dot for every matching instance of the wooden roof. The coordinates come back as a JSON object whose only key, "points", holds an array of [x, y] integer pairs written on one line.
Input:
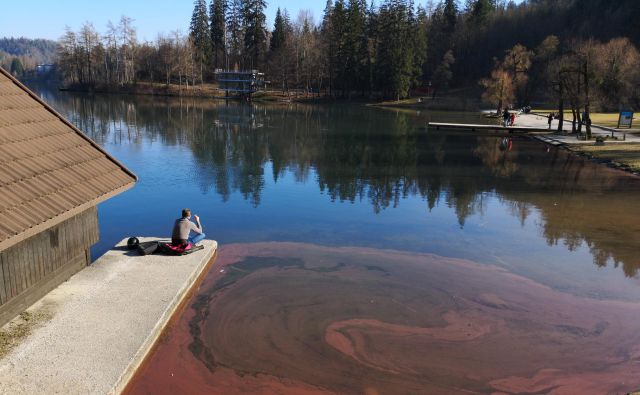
{"points": [[49, 170]]}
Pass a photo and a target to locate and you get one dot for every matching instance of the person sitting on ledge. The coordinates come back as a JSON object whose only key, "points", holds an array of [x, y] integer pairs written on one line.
{"points": [[183, 227]]}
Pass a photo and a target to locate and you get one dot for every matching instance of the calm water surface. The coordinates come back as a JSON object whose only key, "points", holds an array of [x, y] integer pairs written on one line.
{"points": [[363, 253]]}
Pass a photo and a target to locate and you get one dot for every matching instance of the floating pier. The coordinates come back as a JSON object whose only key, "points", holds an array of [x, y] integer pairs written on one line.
{"points": [[490, 128], [90, 334]]}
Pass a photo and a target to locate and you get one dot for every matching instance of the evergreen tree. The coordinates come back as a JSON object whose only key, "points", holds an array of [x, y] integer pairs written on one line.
{"points": [[450, 14], [16, 67], [328, 46], [481, 10], [419, 42], [469, 41], [199, 33], [338, 38], [440, 32], [325, 25], [235, 32], [356, 46], [278, 35], [395, 56], [442, 75], [217, 24], [371, 46], [540, 71], [255, 37], [281, 57]]}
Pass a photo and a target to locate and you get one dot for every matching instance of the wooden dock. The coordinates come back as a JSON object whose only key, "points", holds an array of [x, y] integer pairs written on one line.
{"points": [[490, 128]]}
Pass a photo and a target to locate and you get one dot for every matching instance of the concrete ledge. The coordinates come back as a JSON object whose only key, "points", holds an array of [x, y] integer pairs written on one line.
{"points": [[101, 323]]}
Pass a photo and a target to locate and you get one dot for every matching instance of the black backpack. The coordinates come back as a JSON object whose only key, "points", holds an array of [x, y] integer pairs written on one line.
{"points": [[147, 248]]}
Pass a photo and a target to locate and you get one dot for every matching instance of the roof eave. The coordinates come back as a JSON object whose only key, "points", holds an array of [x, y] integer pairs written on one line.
{"points": [[24, 235], [69, 124]]}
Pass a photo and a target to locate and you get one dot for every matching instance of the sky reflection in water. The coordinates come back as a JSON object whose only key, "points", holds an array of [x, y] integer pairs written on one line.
{"points": [[360, 200], [347, 175]]}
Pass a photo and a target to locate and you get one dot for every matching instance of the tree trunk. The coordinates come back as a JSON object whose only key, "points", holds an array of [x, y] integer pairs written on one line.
{"points": [[561, 114], [587, 114]]}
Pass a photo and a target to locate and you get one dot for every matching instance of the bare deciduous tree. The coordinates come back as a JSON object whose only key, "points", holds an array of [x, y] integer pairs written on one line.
{"points": [[499, 89]]}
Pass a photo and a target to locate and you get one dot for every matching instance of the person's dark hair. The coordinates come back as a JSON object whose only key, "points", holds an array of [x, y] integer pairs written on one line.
{"points": [[186, 213]]}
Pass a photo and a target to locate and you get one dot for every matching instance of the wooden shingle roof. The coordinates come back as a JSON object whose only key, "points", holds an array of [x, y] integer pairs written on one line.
{"points": [[49, 170]]}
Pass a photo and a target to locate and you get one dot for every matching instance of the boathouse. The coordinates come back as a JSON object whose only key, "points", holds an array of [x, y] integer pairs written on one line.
{"points": [[52, 177], [243, 83]]}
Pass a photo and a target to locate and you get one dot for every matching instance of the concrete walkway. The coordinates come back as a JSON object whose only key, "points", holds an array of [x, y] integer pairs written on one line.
{"points": [[101, 323], [540, 121]]}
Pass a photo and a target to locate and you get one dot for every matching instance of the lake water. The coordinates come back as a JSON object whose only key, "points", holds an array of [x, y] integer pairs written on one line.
{"points": [[362, 253]]}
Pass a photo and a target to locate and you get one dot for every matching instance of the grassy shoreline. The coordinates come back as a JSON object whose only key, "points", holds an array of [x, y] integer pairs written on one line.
{"points": [[623, 156], [451, 102], [204, 91]]}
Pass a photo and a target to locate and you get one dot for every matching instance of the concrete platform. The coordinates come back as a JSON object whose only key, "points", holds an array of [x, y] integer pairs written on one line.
{"points": [[537, 120], [101, 323]]}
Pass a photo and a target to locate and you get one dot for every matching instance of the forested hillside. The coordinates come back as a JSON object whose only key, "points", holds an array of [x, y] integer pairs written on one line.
{"points": [[482, 35], [22, 55], [386, 49], [44, 50], [29, 52]]}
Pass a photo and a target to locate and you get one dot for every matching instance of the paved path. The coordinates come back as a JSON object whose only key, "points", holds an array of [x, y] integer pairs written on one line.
{"points": [[101, 323], [540, 121]]}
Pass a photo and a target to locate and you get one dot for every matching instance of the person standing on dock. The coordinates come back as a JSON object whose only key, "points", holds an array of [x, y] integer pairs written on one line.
{"points": [[550, 119], [183, 227]]}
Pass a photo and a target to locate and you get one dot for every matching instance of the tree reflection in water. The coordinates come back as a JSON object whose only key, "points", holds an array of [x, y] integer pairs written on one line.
{"points": [[353, 156]]}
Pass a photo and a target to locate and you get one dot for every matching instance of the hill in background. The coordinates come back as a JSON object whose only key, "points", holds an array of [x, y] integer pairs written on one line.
{"points": [[29, 52]]}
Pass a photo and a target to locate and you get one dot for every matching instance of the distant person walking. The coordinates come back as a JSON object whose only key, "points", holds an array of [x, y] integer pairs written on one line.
{"points": [[506, 116], [513, 118], [183, 227], [550, 119]]}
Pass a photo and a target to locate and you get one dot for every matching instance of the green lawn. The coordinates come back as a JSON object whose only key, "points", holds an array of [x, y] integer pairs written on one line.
{"points": [[599, 118], [625, 153]]}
